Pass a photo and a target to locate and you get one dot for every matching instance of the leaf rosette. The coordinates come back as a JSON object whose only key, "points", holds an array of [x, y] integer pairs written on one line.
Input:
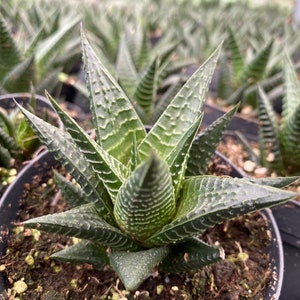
{"points": [[145, 195]]}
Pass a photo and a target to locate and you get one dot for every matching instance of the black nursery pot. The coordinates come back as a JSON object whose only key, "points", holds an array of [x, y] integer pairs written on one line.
{"points": [[42, 104], [288, 218], [248, 127], [40, 167]]}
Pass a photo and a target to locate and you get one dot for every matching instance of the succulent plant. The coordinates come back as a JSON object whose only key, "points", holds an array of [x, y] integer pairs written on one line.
{"points": [[31, 51], [278, 141], [17, 139], [141, 199]]}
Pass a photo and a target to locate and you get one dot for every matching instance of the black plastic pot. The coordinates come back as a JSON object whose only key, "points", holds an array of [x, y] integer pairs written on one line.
{"points": [[287, 216], [248, 127], [39, 167], [288, 219], [42, 104]]}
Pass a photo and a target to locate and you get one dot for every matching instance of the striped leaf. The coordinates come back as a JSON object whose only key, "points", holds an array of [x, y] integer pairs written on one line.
{"points": [[5, 158], [134, 267], [146, 200], [238, 63], [8, 141], [69, 154], [125, 68], [71, 191], [205, 144], [278, 182], [255, 70], [209, 200], [193, 254], [21, 76], [268, 132], [165, 100], [145, 92], [177, 161], [47, 49], [83, 222], [110, 170], [135, 159], [291, 91], [83, 252], [181, 113], [113, 114], [290, 127], [9, 52]]}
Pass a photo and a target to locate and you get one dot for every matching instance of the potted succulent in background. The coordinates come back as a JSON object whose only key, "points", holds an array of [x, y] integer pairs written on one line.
{"points": [[18, 142], [31, 50], [141, 200]]}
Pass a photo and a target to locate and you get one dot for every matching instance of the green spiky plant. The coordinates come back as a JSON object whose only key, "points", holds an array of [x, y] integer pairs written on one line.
{"points": [[139, 68], [141, 199], [17, 143], [279, 141], [33, 56], [243, 74]]}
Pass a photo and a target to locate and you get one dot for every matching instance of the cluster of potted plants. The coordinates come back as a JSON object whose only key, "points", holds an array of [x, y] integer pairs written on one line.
{"points": [[142, 205]]}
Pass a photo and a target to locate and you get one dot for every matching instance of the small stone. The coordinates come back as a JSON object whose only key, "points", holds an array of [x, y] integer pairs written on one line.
{"points": [[20, 287], [175, 289], [29, 260], [159, 289], [249, 166], [261, 172], [270, 157]]}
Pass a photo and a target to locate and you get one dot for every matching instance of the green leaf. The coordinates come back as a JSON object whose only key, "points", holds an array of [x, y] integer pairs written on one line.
{"points": [[205, 144], [291, 91], [225, 84], [146, 200], [209, 200], [20, 77], [177, 161], [247, 147], [83, 252], [7, 141], [40, 34], [165, 100], [186, 107], [134, 267], [192, 254], [71, 191], [255, 70], [5, 158], [83, 222], [70, 156], [125, 68], [9, 52], [47, 49], [135, 159], [279, 182], [145, 92], [290, 127], [268, 132], [113, 114], [236, 56], [110, 170]]}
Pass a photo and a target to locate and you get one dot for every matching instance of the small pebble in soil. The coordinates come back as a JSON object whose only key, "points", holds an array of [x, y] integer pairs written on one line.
{"points": [[20, 287], [249, 166], [261, 172]]}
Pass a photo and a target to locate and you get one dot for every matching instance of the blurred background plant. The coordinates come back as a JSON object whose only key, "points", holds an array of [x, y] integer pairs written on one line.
{"points": [[36, 43], [279, 148]]}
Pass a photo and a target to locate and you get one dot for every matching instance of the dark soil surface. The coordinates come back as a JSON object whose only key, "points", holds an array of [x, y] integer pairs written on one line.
{"points": [[32, 274]]}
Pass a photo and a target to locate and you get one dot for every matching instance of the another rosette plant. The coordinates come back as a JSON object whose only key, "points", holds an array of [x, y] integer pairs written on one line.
{"points": [[141, 199]]}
